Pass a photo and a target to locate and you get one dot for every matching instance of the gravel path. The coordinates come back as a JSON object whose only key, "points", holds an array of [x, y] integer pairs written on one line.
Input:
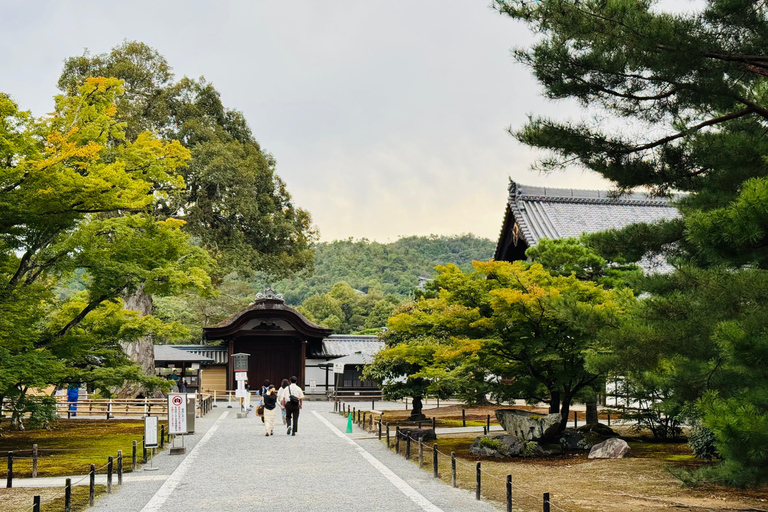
{"points": [[231, 466]]}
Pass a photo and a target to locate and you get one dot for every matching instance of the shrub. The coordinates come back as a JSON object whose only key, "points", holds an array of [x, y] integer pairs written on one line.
{"points": [[702, 442]]}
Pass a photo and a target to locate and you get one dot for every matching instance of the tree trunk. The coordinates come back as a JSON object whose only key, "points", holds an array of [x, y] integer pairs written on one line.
{"points": [[592, 411], [554, 402], [565, 411], [141, 351]]}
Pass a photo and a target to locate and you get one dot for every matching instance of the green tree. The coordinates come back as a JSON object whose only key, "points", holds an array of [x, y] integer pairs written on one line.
{"points": [[514, 321], [692, 87], [75, 195], [232, 201]]}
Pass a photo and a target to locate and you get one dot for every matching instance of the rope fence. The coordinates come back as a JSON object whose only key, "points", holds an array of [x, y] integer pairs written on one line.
{"points": [[365, 420]]}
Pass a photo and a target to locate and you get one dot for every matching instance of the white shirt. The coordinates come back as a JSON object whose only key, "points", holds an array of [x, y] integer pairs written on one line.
{"points": [[286, 392]]}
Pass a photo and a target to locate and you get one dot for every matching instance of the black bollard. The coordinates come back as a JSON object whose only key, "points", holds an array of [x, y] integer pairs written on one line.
{"points": [[9, 480], [36, 504], [434, 461], [477, 491], [68, 495], [509, 493], [119, 467], [109, 474], [453, 469], [92, 485], [162, 436], [546, 502]]}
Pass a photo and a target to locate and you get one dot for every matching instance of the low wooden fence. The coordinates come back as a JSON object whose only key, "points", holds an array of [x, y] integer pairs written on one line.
{"points": [[110, 408]]}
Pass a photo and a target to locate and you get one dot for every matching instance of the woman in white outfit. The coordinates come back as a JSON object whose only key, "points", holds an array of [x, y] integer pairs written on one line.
{"points": [[270, 410]]}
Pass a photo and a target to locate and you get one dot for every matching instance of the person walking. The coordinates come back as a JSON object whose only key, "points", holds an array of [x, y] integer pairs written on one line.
{"points": [[293, 397], [281, 401], [270, 410]]}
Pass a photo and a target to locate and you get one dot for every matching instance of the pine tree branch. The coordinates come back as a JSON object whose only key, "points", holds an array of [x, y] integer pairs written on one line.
{"points": [[709, 122]]}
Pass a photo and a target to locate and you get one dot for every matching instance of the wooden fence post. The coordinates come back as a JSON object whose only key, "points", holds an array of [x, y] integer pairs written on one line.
{"points": [[379, 429], [434, 460], [609, 419], [408, 447], [463, 418], [397, 440], [34, 461], [133, 456], [434, 423], [575, 421], [119, 467], [162, 436], [109, 474], [9, 480], [477, 491], [387, 435], [488, 423], [421, 452], [143, 450], [546, 502], [92, 485], [509, 493], [36, 503], [68, 496], [453, 469]]}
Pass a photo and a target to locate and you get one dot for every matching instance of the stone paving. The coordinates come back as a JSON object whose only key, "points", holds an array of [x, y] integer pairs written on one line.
{"points": [[231, 466]]}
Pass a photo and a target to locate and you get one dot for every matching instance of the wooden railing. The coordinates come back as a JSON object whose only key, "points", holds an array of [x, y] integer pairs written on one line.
{"points": [[132, 407]]}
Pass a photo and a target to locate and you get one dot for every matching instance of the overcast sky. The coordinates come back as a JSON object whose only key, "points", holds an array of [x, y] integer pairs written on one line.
{"points": [[387, 119]]}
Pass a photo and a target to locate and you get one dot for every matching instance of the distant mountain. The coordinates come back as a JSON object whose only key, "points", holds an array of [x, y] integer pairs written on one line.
{"points": [[392, 268]]}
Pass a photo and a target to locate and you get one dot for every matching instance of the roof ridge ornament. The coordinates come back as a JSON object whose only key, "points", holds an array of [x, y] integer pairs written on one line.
{"points": [[269, 293]]}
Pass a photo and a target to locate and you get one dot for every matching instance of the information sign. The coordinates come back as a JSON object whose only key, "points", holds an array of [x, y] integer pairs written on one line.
{"points": [[177, 413], [241, 375], [312, 385], [150, 432], [338, 367]]}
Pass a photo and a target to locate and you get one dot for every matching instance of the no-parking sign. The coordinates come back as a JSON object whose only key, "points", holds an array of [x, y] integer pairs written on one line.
{"points": [[177, 413]]}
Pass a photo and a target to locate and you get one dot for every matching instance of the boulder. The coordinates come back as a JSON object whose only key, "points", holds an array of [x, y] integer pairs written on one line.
{"points": [[613, 448], [527, 425], [571, 439], [425, 434], [505, 446]]}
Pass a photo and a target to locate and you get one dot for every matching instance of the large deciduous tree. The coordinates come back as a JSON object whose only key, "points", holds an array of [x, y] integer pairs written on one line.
{"points": [[74, 194], [511, 329]]}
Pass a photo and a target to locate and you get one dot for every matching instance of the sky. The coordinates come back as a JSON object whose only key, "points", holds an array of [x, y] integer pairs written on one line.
{"points": [[386, 119]]}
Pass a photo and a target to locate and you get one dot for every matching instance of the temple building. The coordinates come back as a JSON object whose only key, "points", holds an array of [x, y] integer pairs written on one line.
{"points": [[534, 213]]}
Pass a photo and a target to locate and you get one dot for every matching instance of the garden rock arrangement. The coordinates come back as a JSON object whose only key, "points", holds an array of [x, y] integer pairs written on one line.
{"points": [[506, 446], [571, 439], [613, 448], [527, 425]]}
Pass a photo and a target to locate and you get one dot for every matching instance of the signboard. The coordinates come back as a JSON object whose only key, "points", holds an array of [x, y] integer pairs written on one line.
{"points": [[312, 385], [241, 376], [240, 391], [338, 367], [240, 362], [150, 432], [177, 413]]}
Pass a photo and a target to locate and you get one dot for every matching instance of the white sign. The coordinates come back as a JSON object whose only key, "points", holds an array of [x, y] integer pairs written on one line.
{"points": [[312, 385], [240, 391], [338, 367], [150, 432], [177, 413], [241, 376]]}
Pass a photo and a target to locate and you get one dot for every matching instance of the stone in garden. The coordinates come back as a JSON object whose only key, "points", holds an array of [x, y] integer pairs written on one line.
{"points": [[528, 425], [425, 434], [571, 439], [613, 448]]}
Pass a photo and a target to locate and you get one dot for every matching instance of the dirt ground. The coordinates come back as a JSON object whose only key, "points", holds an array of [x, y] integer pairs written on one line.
{"points": [[578, 484], [51, 499]]}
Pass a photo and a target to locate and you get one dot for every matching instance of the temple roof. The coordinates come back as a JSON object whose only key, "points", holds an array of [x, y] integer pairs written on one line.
{"points": [[338, 345], [534, 213]]}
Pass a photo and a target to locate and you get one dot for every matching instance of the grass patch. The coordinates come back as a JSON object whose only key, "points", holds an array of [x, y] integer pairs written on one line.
{"points": [[71, 446], [52, 498]]}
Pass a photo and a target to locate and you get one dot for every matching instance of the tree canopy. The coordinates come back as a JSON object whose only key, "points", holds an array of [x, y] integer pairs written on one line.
{"points": [[678, 104], [233, 201], [74, 194]]}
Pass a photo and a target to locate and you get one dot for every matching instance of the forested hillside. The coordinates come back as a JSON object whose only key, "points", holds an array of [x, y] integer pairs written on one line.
{"points": [[392, 268]]}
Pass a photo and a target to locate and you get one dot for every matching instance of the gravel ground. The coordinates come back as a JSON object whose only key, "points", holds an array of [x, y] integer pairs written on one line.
{"points": [[237, 468]]}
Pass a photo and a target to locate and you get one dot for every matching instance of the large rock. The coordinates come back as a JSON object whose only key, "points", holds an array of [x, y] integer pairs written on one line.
{"points": [[527, 425], [571, 439], [613, 448], [505, 446]]}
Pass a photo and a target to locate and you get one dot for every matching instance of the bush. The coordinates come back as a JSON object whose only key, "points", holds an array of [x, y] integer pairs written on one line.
{"points": [[489, 442], [702, 442]]}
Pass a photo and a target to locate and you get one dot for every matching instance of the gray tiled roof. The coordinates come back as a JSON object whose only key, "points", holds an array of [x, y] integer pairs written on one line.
{"points": [[561, 213], [337, 345], [169, 353]]}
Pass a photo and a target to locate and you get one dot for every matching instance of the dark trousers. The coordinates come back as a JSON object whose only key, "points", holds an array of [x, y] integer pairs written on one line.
{"points": [[292, 411]]}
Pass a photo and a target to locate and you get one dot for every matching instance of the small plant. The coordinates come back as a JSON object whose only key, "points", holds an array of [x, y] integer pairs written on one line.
{"points": [[702, 442], [489, 442], [530, 448]]}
